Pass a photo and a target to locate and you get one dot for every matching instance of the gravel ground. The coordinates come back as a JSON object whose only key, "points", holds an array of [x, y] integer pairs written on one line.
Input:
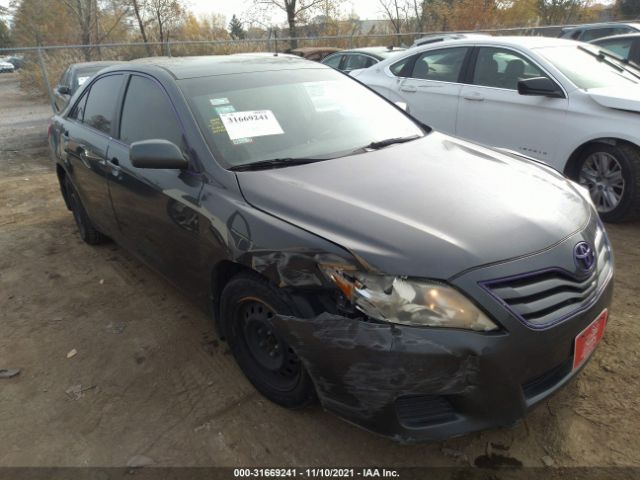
{"points": [[150, 379]]}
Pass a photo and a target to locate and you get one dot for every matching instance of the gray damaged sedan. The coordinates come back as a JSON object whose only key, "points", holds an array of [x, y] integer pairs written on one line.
{"points": [[417, 285]]}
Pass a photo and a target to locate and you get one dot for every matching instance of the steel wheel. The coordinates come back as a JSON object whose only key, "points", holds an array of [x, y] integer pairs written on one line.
{"points": [[601, 173], [280, 366]]}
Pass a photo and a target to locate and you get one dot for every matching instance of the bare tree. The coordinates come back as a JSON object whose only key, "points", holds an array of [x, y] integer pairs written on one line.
{"points": [[86, 14], [396, 12], [295, 10], [138, 7]]}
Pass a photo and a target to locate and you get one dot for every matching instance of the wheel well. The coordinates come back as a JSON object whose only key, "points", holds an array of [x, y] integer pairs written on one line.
{"points": [[220, 276], [61, 175], [571, 169]]}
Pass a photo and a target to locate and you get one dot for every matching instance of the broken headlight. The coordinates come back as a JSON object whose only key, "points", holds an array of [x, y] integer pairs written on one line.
{"points": [[408, 302]]}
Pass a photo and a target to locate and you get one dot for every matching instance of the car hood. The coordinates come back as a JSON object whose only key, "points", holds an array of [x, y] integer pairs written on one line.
{"points": [[618, 98], [432, 207]]}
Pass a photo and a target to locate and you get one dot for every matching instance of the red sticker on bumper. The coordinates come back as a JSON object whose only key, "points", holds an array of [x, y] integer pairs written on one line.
{"points": [[587, 340]]}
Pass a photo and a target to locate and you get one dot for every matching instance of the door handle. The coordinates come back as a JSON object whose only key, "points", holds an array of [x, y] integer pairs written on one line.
{"points": [[114, 163], [87, 155], [475, 97], [408, 88]]}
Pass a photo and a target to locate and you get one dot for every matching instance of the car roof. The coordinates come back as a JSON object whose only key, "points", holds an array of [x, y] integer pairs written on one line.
{"points": [[315, 49], [375, 49], [213, 65], [589, 26], [440, 37], [513, 41]]}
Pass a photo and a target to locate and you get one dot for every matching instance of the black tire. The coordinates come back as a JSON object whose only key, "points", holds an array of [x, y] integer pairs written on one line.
{"points": [[281, 378], [628, 158], [88, 232]]}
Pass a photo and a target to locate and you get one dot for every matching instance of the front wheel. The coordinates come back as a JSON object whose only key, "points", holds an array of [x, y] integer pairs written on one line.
{"points": [[611, 173], [247, 305]]}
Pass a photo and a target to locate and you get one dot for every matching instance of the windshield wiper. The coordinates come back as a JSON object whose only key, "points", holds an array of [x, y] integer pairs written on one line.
{"points": [[389, 141], [604, 56], [273, 163], [626, 63]]}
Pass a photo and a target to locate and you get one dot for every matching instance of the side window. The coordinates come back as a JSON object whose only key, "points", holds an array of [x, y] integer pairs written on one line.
{"points": [[355, 61], [399, 68], [144, 101], [621, 47], [332, 61], [100, 107], [442, 65], [594, 33], [78, 111], [501, 68]]}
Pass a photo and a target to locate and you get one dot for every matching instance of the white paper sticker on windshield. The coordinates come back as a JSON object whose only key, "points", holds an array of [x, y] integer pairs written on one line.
{"points": [[81, 80], [255, 123], [218, 101]]}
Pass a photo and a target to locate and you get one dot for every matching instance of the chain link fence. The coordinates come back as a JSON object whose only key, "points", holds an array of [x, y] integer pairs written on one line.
{"points": [[41, 67]]}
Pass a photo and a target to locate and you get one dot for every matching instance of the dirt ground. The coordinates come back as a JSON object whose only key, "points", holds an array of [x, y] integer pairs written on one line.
{"points": [[150, 379]]}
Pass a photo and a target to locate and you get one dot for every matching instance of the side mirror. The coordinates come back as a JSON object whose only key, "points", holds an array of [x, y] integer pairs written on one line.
{"points": [[540, 86], [63, 90], [157, 154]]}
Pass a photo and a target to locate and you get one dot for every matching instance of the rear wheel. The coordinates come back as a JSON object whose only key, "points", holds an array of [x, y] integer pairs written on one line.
{"points": [[88, 232], [248, 303], [612, 175]]}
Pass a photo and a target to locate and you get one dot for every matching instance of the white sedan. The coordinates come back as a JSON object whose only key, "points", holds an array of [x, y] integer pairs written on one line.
{"points": [[562, 102]]}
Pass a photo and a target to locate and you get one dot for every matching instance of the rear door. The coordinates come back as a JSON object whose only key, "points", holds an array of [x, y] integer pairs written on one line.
{"points": [[85, 141], [156, 209], [492, 112], [430, 85]]}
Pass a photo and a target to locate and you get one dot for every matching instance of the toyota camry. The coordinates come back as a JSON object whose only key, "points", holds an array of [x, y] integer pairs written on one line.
{"points": [[417, 285]]}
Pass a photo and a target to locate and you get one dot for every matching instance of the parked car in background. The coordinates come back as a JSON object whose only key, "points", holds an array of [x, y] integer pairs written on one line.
{"points": [[6, 67], [74, 77], [348, 60], [314, 53], [16, 60], [428, 39], [626, 47], [589, 32], [556, 100], [419, 285]]}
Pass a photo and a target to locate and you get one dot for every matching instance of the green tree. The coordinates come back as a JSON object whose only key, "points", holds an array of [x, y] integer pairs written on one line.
{"points": [[235, 28]]}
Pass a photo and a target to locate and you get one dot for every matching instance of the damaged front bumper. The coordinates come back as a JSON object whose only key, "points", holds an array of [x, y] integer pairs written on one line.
{"points": [[417, 384]]}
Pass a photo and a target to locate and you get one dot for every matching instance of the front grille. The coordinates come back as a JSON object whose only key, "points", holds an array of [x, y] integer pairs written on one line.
{"points": [[549, 296], [424, 410]]}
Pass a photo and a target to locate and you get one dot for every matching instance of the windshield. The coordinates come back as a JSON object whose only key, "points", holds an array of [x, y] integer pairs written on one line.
{"points": [[586, 70], [306, 113]]}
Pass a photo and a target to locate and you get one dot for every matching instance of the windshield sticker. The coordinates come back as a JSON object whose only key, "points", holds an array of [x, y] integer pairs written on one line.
{"points": [[218, 101], [240, 141], [81, 80], [224, 109], [254, 123], [216, 125]]}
